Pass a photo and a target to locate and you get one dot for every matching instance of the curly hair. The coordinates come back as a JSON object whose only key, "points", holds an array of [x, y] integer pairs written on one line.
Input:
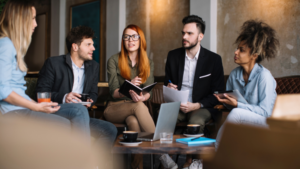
{"points": [[260, 38], [77, 34]]}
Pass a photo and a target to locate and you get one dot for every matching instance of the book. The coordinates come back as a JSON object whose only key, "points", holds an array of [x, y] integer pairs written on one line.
{"points": [[127, 85], [200, 140]]}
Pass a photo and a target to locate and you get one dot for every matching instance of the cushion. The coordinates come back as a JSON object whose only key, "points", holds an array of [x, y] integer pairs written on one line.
{"points": [[288, 85]]}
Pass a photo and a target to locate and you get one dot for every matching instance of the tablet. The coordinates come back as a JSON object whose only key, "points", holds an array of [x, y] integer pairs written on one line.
{"points": [[232, 93]]}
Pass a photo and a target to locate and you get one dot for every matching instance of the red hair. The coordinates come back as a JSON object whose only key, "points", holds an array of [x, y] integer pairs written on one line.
{"points": [[142, 58]]}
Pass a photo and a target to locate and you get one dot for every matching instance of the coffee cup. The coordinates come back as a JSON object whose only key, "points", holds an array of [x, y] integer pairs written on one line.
{"points": [[130, 136], [193, 128], [84, 97]]}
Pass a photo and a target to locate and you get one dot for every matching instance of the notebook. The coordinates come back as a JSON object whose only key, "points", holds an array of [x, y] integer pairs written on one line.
{"points": [[127, 85], [201, 140]]}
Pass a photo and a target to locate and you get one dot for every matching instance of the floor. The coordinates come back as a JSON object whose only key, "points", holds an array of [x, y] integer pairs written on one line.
{"points": [[147, 161], [180, 163]]}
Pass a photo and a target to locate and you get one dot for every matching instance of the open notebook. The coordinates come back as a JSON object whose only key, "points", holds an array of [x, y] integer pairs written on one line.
{"points": [[127, 85]]}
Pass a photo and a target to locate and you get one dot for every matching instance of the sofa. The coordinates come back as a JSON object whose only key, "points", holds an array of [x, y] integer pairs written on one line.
{"points": [[285, 85]]}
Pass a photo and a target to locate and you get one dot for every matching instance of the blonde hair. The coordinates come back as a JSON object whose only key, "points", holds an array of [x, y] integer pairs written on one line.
{"points": [[16, 24], [142, 59]]}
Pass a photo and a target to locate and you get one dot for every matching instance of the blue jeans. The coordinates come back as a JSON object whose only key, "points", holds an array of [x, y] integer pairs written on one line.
{"points": [[103, 131], [74, 115], [242, 116]]}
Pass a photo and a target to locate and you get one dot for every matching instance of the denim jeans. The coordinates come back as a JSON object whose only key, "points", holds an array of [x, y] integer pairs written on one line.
{"points": [[74, 115], [242, 116], [103, 131]]}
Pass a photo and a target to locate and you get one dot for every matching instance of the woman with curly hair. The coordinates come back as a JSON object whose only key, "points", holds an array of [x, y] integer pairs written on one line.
{"points": [[256, 42]]}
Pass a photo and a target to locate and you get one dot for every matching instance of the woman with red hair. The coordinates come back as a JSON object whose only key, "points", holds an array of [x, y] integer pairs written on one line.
{"points": [[132, 64]]}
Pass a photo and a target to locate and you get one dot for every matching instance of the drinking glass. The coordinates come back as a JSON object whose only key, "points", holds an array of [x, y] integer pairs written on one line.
{"points": [[166, 138], [44, 97]]}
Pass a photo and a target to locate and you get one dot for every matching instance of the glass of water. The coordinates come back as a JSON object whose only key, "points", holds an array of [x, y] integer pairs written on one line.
{"points": [[166, 138]]}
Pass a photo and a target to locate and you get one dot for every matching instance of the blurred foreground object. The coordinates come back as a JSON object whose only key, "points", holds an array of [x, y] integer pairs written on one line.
{"points": [[32, 144], [249, 147], [286, 113]]}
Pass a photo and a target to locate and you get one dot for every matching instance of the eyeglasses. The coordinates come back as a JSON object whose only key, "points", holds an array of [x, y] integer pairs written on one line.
{"points": [[134, 37]]}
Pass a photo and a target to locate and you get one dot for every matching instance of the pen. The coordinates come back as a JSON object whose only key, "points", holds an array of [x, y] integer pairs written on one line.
{"points": [[170, 81], [195, 138]]}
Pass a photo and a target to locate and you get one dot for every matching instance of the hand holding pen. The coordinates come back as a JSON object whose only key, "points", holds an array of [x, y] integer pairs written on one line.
{"points": [[172, 86]]}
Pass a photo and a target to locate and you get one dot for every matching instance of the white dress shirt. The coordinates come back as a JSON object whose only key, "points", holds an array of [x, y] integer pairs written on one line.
{"points": [[79, 76], [189, 74]]}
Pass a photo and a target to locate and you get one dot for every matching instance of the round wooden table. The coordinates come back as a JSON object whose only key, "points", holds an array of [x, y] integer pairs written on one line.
{"points": [[155, 147]]}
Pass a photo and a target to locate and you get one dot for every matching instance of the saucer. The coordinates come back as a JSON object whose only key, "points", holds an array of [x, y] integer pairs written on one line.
{"points": [[83, 103], [136, 143], [194, 135]]}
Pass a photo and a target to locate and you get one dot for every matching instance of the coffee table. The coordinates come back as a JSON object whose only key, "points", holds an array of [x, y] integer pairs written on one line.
{"points": [[156, 147]]}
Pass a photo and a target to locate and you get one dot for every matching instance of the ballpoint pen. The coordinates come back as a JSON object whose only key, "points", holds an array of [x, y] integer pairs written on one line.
{"points": [[195, 138]]}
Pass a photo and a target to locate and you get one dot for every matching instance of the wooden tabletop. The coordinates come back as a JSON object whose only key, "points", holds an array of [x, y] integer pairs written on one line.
{"points": [[155, 147]]}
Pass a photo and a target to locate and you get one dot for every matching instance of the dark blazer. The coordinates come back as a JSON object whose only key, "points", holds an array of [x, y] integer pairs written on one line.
{"points": [[56, 76], [209, 75]]}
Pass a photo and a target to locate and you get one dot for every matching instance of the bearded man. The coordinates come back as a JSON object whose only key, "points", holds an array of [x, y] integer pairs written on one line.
{"points": [[68, 76], [197, 70]]}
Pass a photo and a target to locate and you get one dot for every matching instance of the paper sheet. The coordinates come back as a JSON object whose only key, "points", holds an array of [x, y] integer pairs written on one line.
{"points": [[171, 95]]}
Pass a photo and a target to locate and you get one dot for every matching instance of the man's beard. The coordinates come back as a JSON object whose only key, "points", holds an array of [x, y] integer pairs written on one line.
{"points": [[191, 46], [84, 58]]}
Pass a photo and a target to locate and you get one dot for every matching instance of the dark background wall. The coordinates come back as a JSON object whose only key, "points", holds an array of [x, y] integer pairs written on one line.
{"points": [[39, 49]]}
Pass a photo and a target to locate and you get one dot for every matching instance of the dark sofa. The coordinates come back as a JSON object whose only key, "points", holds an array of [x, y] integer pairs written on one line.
{"points": [[285, 85]]}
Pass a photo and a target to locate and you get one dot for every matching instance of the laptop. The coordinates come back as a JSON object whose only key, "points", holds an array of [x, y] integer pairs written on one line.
{"points": [[166, 122]]}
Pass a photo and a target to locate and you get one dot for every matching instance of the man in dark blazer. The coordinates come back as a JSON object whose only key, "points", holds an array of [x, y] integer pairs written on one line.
{"points": [[57, 76], [196, 69], [68, 76]]}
